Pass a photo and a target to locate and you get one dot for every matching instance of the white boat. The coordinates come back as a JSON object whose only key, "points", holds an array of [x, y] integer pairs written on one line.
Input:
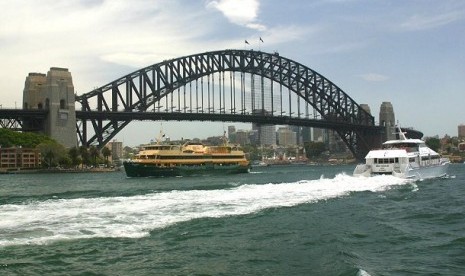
{"points": [[404, 158]]}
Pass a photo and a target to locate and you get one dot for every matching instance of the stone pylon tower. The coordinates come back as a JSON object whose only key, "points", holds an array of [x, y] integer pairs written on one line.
{"points": [[388, 120], [53, 92]]}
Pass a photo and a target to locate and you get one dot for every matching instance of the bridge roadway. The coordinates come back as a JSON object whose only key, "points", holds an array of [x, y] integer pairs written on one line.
{"points": [[19, 115], [37, 115], [13, 113], [220, 117], [15, 119]]}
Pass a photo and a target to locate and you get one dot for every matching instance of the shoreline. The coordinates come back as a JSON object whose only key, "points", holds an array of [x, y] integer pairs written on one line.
{"points": [[45, 171]]}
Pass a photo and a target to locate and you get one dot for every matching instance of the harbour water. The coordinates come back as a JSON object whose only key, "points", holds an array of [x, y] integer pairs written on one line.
{"points": [[282, 220]]}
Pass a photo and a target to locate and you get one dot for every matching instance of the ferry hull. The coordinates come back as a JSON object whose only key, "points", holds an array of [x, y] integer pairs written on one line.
{"points": [[134, 169]]}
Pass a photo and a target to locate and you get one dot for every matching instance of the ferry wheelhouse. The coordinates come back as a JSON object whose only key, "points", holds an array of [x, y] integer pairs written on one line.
{"points": [[157, 160], [404, 158]]}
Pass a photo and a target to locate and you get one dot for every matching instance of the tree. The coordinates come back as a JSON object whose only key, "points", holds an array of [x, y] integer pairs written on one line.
{"points": [[106, 152], [10, 138], [94, 153], [52, 153], [314, 149], [433, 143], [83, 151], [73, 154]]}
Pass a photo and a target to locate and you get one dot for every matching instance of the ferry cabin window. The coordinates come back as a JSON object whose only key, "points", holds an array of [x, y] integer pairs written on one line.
{"points": [[386, 160], [193, 157]]}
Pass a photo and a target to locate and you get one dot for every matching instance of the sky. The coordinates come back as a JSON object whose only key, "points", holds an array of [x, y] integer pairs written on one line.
{"points": [[410, 53]]}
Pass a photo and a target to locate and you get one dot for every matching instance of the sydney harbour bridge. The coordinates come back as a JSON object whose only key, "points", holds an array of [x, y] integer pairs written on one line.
{"points": [[227, 85]]}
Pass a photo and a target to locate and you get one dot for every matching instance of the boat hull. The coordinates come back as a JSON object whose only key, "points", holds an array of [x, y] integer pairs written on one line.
{"points": [[427, 172], [409, 172], [134, 169]]}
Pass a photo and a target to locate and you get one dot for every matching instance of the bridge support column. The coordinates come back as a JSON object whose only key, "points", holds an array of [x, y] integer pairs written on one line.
{"points": [[53, 92], [366, 141]]}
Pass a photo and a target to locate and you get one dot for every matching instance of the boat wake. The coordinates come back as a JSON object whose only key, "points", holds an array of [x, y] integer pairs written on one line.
{"points": [[135, 216]]}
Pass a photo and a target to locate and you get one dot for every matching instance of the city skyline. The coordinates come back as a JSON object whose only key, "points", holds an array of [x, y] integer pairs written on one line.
{"points": [[408, 53]]}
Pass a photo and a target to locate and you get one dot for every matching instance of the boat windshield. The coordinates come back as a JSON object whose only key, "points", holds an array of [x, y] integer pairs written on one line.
{"points": [[402, 145]]}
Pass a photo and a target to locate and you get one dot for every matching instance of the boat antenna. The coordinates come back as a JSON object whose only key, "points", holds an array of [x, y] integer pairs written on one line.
{"points": [[225, 139], [161, 135], [401, 134]]}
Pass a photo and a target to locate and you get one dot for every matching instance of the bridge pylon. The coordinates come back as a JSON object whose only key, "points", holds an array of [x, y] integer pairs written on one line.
{"points": [[53, 92]]}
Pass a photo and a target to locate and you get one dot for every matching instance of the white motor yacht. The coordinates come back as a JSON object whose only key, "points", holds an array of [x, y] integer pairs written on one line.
{"points": [[404, 158]]}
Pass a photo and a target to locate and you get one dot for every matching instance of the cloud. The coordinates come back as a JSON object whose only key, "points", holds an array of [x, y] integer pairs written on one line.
{"points": [[240, 12], [373, 77], [423, 22]]}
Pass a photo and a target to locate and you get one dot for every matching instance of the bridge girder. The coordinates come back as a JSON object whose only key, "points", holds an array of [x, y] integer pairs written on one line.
{"points": [[22, 120], [128, 98]]}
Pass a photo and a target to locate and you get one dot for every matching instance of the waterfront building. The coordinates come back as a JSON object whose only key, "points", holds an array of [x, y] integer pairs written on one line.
{"points": [[19, 158]]}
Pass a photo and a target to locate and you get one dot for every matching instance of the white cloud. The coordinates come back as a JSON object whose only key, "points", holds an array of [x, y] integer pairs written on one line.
{"points": [[373, 77], [422, 22], [240, 12], [86, 38]]}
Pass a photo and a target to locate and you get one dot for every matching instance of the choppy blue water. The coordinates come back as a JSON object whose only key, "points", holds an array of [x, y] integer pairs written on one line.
{"points": [[302, 220]]}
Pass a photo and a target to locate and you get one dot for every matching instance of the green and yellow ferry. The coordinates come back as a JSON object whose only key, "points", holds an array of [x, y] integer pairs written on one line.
{"points": [[159, 160]]}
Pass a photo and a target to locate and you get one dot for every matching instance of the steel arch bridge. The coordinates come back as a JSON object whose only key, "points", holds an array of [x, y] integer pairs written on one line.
{"points": [[226, 85]]}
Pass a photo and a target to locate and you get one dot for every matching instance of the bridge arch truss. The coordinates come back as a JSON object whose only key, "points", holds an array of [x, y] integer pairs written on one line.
{"points": [[227, 85]]}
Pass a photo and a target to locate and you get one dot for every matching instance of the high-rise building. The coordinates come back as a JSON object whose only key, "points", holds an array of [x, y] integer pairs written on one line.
{"points": [[461, 129], [318, 135], [116, 149], [242, 137], [232, 134], [266, 133], [287, 137], [299, 134], [306, 134]]}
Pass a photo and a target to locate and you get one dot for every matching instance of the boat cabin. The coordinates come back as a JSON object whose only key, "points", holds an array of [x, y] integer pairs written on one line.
{"points": [[395, 155]]}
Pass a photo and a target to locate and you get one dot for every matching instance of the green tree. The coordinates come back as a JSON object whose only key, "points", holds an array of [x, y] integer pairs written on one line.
{"points": [[314, 149], [10, 138], [252, 152], [106, 152], [73, 154], [433, 143], [94, 154], [84, 152], [128, 152], [52, 153]]}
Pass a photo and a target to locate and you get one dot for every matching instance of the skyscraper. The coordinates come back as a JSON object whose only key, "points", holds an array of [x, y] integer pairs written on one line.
{"points": [[461, 129]]}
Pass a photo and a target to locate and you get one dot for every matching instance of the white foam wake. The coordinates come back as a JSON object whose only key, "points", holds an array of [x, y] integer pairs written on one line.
{"points": [[135, 216]]}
